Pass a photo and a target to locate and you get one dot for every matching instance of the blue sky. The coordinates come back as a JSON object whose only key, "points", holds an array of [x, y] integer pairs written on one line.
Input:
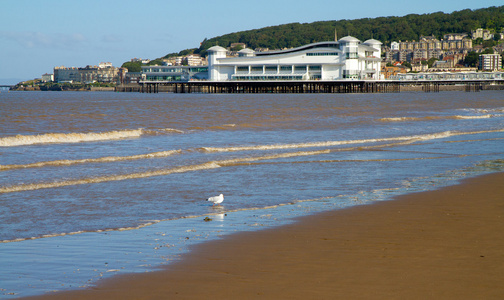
{"points": [[36, 36]]}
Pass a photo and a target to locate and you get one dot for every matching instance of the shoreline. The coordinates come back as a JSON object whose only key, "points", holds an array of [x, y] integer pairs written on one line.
{"points": [[437, 244]]}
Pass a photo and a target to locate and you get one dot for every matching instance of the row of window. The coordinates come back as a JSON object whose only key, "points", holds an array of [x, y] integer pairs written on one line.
{"points": [[246, 69], [238, 77], [164, 78], [175, 70], [322, 54]]}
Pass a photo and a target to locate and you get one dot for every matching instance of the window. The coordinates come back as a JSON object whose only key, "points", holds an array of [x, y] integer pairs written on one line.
{"points": [[315, 68], [256, 69], [300, 68], [242, 69], [271, 68], [286, 68]]}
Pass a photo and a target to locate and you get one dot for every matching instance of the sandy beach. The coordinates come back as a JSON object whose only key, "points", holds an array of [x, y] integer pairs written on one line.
{"points": [[444, 244]]}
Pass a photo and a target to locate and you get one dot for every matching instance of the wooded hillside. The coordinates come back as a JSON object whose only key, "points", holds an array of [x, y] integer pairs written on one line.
{"points": [[384, 29]]}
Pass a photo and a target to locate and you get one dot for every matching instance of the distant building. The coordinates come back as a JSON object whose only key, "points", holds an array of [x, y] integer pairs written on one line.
{"points": [[47, 77], [455, 36], [64, 74], [143, 61], [420, 54], [428, 47], [239, 45], [391, 71], [194, 60], [174, 73], [481, 33], [104, 72], [490, 62], [394, 46], [419, 67]]}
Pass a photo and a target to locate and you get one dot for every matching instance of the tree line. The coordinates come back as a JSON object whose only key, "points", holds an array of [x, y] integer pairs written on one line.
{"points": [[384, 29]]}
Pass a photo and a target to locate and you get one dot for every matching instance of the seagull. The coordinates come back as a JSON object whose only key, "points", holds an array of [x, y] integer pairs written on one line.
{"points": [[216, 199]]}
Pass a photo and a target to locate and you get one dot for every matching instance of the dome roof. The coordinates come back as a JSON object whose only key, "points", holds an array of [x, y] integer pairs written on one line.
{"points": [[246, 50], [216, 49], [373, 42], [349, 39]]}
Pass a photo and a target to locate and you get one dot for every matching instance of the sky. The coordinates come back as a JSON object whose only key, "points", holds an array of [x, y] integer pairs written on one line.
{"points": [[36, 36]]}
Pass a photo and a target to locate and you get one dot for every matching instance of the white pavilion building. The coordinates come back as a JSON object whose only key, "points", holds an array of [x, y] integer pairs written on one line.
{"points": [[347, 58]]}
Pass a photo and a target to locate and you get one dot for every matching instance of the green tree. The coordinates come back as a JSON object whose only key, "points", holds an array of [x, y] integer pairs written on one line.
{"points": [[471, 59], [133, 66], [488, 51], [431, 61]]}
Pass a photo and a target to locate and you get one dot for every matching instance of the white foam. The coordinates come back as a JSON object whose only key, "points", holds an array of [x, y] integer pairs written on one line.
{"points": [[328, 143], [67, 162], [473, 117], [429, 118], [23, 140]]}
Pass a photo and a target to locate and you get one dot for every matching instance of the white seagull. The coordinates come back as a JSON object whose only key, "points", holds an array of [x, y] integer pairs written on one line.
{"points": [[216, 199]]}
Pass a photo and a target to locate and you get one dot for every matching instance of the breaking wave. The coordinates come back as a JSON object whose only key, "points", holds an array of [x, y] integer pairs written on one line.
{"points": [[327, 143], [60, 138], [414, 138], [458, 117], [68, 162], [180, 169], [237, 161]]}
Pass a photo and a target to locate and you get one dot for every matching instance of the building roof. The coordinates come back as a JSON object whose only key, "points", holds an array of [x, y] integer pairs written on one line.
{"points": [[372, 42], [216, 49], [328, 44], [349, 39], [246, 50]]}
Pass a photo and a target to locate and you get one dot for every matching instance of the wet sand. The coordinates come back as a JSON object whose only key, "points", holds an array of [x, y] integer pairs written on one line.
{"points": [[444, 244]]}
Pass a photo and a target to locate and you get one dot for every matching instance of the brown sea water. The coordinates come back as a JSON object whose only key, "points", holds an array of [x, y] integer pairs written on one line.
{"points": [[83, 174]]}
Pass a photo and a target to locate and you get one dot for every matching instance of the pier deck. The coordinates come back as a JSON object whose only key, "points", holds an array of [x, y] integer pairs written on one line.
{"points": [[342, 86]]}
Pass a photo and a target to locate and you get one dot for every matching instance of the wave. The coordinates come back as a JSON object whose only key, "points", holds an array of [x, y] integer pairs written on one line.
{"points": [[180, 169], [413, 138], [326, 143], [429, 118], [46, 185], [23, 140], [67, 162], [60, 138], [236, 161]]}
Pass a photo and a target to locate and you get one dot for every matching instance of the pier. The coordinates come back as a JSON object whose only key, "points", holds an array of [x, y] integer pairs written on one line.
{"points": [[315, 86]]}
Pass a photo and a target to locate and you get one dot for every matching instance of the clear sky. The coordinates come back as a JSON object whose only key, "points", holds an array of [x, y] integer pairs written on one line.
{"points": [[36, 36]]}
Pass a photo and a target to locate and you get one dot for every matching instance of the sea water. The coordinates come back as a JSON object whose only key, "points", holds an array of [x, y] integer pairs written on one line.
{"points": [[97, 184]]}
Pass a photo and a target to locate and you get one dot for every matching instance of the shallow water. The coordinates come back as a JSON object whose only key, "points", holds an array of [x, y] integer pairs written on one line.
{"points": [[95, 184]]}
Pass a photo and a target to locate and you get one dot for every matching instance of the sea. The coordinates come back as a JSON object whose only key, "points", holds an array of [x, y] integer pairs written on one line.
{"points": [[95, 184]]}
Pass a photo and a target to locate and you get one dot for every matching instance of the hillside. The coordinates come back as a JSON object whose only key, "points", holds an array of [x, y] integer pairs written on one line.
{"points": [[384, 29]]}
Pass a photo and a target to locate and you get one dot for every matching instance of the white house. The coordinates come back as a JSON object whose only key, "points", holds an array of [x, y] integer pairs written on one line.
{"points": [[347, 58]]}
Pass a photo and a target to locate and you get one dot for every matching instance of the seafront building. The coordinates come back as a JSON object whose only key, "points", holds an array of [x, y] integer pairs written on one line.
{"points": [[104, 72], [345, 59], [429, 47], [490, 62]]}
